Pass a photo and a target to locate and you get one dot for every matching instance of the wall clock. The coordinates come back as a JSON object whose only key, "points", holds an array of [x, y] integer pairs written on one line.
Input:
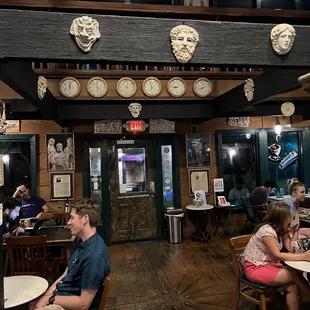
{"points": [[97, 87], [69, 87], [176, 87], [151, 87], [202, 87], [126, 87]]}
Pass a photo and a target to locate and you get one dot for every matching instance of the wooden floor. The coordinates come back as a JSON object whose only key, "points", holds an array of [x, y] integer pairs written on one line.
{"points": [[155, 275]]}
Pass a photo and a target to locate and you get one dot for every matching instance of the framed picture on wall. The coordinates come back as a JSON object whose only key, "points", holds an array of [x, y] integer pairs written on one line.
{"points": [[198, 150], [201, 3], [60, 151], [198, 181], [61, 185]]}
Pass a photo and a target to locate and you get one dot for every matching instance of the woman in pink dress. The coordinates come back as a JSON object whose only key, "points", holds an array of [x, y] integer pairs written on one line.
{"points": [[262, 257]]}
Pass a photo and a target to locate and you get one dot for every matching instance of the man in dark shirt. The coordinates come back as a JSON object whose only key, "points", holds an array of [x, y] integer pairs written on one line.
{"points": [[81, 285], [31, 206], [260, 194], [9, 225]]}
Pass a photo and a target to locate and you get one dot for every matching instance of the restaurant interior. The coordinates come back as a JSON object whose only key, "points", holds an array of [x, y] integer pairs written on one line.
{"points": [[170, 114]]}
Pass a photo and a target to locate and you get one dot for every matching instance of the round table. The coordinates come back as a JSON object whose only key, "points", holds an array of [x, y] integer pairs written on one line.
{"points": [[19, 290], [198, 216], [299, 265]]}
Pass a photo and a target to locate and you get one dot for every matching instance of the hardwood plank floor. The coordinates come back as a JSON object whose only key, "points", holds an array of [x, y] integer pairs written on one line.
{"points": [[156, 275]]}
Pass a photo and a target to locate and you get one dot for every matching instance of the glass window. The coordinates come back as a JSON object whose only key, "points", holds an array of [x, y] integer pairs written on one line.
{"points": [[239, 160], [15, 165], [131, 170], [277, 4], [235, 3], [306, 4], [95, 174], [283, 157], [166, 156]]}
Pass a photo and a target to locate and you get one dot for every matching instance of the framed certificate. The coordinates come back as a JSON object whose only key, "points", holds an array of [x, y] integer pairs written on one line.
{"points": [[61, 185]]}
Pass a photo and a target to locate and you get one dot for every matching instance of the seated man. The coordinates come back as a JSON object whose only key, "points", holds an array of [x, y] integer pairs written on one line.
{"points": [[80, 287], [260, 194], [235, 193], [31, 206], [9, 225]]}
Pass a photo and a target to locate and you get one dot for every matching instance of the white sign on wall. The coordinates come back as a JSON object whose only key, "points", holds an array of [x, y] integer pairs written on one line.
{"points": [[218, 185]]}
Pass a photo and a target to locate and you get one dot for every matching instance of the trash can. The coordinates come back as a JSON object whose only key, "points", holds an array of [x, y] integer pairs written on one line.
{"points": [[175, 225]]}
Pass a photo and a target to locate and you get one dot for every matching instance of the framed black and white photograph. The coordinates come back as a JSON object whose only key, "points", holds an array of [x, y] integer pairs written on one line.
{"points": [[60, 151], [201, 3], [198, 180], [61, 185], [198, 150]]}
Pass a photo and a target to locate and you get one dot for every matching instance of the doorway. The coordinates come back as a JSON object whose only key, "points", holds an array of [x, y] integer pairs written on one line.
{"points": [[135, 181]]}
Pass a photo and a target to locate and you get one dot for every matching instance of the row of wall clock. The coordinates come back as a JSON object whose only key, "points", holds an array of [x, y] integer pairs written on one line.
{"points": [[126, 87]]}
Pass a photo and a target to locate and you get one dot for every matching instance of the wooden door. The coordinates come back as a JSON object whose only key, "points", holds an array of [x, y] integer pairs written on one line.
{"points": [[132, 191]]}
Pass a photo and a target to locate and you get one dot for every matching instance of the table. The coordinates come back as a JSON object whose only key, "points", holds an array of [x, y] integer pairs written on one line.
{"points": [[299, 265], [198, 217], [19, 290]]}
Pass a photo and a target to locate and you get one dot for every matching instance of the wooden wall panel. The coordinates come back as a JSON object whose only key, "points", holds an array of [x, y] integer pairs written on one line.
{"points": [[142, 40]]}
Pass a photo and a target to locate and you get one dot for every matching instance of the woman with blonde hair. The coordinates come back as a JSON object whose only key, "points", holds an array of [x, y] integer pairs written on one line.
{"points": [[262, 256]]}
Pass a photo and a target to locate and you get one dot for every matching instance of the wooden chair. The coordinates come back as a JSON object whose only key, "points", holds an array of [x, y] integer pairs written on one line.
{"points": [[104, 296], [60, 218], [237, 246], [27, 255]]}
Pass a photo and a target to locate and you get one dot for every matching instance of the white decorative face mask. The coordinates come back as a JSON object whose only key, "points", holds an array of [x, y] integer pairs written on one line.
{"points": [[135, 109], [282, 38], [249, 89], [86, 31], [41, 87], [184, 40]]}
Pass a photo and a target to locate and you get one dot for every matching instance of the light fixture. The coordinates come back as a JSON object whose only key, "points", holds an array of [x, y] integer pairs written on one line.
{"points": [[6, 159], [278, 128], [248, 135], [232, 152]]}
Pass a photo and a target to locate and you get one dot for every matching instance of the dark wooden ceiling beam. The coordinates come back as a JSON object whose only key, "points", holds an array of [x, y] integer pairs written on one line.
{"points": [[126, 39], [269, 84], [207, 13], [22, 79]]}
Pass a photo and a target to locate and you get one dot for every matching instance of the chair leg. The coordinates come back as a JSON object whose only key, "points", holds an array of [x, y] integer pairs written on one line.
{"points": [[262, 300], [237, 296]]}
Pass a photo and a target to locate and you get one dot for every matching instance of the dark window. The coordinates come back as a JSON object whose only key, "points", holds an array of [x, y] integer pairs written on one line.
{"points": [[235, 4], [306, 4], [277, 4]]}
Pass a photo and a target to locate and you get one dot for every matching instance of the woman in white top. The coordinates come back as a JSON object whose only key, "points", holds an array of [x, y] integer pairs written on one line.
{"points": [[262, 257]]}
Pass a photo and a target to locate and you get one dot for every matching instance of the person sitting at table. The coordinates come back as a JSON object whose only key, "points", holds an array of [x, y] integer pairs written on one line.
{"points": [[80, 287], [31, 206], [261, 260], [235, 193], [260, 194], [9, 225]]}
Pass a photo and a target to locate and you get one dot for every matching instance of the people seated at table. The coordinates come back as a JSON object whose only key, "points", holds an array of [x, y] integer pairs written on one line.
{"points": [[81, 285], [31, 206], [9, 226], [260, 194], [297, 192], [262, 256], [235, 193]]}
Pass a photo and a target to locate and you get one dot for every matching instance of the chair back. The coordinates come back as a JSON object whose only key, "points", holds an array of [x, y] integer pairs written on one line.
{"points": [[104, 296], [27, 255], [237, 246], [61, 218]]}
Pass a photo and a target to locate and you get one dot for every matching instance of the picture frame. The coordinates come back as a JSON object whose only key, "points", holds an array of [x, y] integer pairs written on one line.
{"points": [[199, 179], [198, 150], [196, 3], [221, 200], [61, 185], [60, 150], [201, 195]]}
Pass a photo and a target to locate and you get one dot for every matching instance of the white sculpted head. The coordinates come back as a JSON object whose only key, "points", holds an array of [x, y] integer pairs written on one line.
{"points": [[249, 89], [184, 40], [86, 31], [41, 87], [135, 109], [282, 38]]}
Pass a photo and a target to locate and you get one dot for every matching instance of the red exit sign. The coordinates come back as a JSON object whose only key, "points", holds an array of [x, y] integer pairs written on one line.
{"points": [[136, 126]]}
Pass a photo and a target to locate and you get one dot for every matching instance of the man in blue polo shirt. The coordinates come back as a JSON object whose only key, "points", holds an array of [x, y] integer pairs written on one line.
{"points": [[31, 206], [81, 285]]}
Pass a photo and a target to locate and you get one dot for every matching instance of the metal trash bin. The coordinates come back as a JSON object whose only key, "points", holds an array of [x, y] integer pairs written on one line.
{"points": [[175, 225]]}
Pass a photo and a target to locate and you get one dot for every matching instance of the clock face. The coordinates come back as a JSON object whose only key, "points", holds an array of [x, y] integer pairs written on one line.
{"points": [[176, 87], [151, 87], [126, 87], [202, 87], [69, 87], [97, 87]]}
